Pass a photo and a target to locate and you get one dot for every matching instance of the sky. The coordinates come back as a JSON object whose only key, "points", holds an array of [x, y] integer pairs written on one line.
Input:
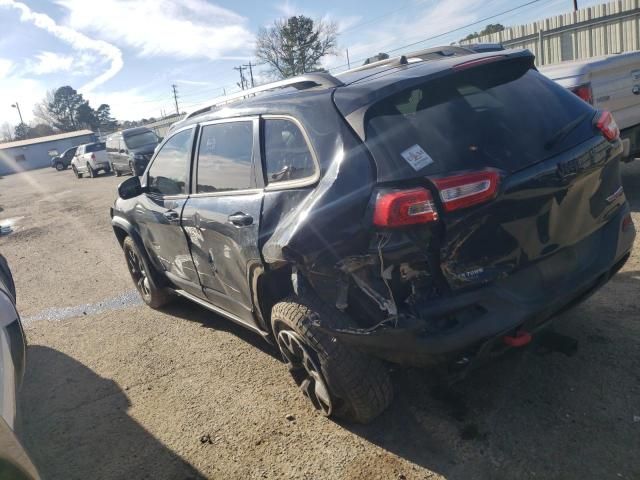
{"points": [[128, 53]]}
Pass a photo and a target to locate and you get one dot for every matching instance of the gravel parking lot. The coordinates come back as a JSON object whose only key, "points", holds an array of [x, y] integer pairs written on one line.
{"points": [[114, 389]]}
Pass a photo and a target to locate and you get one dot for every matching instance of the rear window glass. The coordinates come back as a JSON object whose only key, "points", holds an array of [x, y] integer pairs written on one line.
{"points": [[94, 147], [287, 155], [487, 116]]}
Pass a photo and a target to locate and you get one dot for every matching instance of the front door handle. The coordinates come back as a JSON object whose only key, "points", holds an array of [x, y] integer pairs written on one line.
{"points": [[241, 219], [171, 215]]}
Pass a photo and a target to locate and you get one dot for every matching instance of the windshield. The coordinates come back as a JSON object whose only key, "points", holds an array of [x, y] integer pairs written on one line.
{"points": [[140, 139], [499, 117], [94, 147]]}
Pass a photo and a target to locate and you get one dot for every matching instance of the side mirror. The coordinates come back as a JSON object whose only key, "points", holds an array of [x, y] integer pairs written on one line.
{"points": [[130, 188]]}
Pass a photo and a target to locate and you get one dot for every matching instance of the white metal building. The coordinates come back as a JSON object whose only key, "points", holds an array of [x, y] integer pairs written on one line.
{"points": [[37, 152]]}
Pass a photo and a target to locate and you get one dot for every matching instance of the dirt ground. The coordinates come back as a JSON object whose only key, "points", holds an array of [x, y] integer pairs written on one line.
{"points": [[115, 390]]}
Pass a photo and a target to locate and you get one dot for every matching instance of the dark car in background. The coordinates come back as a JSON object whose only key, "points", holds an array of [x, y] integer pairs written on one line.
{"points": [[429, 209], [14, 461], [62, 162], [130, 150]]}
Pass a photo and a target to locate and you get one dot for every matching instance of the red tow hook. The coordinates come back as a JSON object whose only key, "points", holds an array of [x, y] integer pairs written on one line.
{"points": [[520, 339]]}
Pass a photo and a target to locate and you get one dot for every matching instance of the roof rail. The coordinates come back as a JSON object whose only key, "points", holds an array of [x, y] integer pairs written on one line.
{"points": [[425, 54], [388, 62], [301, 82]]}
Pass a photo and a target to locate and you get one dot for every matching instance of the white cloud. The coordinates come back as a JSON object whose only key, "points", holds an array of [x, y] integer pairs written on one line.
{"points": [[182, 29], [6, 66], [406, 28], [287, 9], [77, 40], [50, 62]]}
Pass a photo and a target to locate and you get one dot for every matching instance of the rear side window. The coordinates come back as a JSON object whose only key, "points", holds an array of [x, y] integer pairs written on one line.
{"points": [[499, 116], [286, 152], [168, 173], [225, 157], [94, 147]]}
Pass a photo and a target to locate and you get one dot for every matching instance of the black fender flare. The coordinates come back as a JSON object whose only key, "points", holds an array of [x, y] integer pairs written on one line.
{"points": [[121, 223]]}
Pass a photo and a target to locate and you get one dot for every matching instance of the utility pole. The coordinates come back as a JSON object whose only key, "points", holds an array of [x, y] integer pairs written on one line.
{"points": [[242, 80], [348, 62], [175, 97], [575, 5], [15, 105], [251, 73]]}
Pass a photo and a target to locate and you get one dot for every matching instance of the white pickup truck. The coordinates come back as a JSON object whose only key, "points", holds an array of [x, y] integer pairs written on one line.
{"points": [[90, 158], [612, 83]]}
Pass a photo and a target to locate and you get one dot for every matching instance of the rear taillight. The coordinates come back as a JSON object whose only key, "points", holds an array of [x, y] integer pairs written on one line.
{"points": [[404, 207], [93, 156], [467, 189], [584, 92], [608, 126]]}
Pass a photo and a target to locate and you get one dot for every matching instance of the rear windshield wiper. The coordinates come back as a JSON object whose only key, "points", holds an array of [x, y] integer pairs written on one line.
{"points": [[564, 131]]}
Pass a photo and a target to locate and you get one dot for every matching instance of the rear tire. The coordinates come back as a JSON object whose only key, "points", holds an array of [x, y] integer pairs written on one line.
{"points": [[151, 293], [345, 382], [59, 166]]}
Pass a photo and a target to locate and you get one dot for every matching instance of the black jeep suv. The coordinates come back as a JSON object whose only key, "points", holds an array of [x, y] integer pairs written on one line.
{"points": [[423, 210]]}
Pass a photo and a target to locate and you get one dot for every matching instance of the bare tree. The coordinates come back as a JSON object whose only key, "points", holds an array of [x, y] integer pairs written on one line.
{"points": [[295, 46], [6, 132], [41, 111]]}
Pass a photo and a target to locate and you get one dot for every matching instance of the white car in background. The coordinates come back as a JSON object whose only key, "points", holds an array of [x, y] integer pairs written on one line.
{"points": [[90, 158], [611, 83]]}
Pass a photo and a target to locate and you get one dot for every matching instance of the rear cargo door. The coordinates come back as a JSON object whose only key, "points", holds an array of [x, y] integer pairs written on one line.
{"points": [[557, 177]]}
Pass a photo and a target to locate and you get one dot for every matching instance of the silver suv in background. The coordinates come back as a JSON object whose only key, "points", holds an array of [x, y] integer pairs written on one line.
{"points": [[90, 159]]}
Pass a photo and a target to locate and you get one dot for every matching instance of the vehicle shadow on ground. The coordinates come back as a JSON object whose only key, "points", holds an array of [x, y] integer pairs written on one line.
{"points": [[187, 310], [80, 428], [532, 413]]}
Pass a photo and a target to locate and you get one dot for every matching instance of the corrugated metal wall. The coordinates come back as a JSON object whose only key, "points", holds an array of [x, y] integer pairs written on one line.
{"points": [[599, 30]]}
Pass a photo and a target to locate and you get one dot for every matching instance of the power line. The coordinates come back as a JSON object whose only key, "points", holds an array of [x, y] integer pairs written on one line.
{"points": [[482, 20], [175, 97]]}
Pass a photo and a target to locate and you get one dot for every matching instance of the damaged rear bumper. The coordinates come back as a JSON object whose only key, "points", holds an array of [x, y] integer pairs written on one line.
{"points": [[472, 324]]}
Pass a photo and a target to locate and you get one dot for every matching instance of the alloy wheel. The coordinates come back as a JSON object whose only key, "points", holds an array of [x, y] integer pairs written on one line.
{"points": [[138, 273], [303, 364]]}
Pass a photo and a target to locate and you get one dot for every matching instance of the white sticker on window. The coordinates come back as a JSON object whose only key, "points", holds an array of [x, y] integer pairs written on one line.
{"points": [[417, 157]]}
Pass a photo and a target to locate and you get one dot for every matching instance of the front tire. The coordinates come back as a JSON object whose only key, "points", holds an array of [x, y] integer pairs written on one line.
{"points": [[339, 380], [92, 172], [117, 172], [76, 173], [132, 167], [151, 294]]}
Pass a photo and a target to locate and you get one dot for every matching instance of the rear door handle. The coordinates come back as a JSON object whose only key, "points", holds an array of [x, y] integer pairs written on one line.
{"points": [[171, 215], [241, 219]]}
